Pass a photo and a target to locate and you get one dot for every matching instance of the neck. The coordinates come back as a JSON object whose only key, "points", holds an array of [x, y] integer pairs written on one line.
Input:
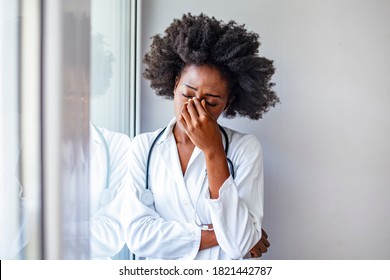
{"points": [[181, 136]]}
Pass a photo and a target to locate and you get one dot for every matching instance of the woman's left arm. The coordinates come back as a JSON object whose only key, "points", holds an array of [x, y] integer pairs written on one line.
{"points": [[238, 211]]}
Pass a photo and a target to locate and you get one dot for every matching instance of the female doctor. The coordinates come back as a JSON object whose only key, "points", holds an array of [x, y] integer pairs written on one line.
{"points": [[197, 188]]}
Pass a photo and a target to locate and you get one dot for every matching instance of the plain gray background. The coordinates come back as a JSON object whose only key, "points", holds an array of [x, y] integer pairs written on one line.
{"points": [[326, 146]]}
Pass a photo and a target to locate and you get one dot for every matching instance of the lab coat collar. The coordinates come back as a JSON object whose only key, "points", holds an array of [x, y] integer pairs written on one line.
{"points": [[168, 136], [93, 134], [169, 133]]}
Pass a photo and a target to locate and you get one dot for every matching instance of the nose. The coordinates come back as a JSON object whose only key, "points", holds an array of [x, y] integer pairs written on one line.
{"points": [[200, 96]]}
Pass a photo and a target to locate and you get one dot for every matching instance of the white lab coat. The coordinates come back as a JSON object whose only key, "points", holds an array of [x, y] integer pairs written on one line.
{"points": [[109, 205], [169, 229]]}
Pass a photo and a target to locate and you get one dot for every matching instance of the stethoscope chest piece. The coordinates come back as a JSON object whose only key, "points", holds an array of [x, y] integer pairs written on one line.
{"points": [[147, 198]]}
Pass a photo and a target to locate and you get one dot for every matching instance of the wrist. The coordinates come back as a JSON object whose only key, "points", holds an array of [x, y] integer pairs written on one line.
{"points": [[208, 239], [214, 152]]}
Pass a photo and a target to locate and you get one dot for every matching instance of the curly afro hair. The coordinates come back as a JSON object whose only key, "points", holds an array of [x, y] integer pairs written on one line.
{"points": [[201, 40]]}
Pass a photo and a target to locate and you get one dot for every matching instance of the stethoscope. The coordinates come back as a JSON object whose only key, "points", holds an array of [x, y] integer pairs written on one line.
{"points": [[147, 196], [106, 194]]}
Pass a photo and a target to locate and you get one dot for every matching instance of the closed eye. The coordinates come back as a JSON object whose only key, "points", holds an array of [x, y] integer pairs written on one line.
{"points": [[186, 95], [211, 104]]}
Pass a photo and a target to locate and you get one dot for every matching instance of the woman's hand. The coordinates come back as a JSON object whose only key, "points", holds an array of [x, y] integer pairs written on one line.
{"points": [[261, 247], [200, 126], [204, 132]]}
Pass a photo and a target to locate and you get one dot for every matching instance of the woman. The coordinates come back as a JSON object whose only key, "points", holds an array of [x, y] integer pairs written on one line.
{"points": [[199, 202]]}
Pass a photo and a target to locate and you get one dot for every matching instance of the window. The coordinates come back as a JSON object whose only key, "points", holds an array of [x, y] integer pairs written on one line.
{"points": [[111, 71], [63, 64], [10, 187]]}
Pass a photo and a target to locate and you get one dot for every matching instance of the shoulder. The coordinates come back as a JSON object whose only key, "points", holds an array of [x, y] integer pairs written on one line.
{"points": [[242, 139], [143, 141], [242, 144], [116, 139]]}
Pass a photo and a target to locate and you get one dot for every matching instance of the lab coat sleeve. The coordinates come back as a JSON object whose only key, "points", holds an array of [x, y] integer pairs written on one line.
{"points": [[149, 235], [237, 214], [109, 222]]}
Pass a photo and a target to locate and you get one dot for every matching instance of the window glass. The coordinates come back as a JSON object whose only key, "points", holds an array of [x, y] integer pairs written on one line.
{"points": [[110, 64], [110, 106], [53, 86], [10, 187]]}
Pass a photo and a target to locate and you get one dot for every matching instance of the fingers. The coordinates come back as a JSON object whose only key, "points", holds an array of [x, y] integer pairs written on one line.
{"points": [[197, 107], [264, 238], [201, 107], [185, 117], [262, 247], [200, 126], [255, 253], [189, 116], [258, 250], [263, 233], [193, 111], [192, 108], [265, 242]]}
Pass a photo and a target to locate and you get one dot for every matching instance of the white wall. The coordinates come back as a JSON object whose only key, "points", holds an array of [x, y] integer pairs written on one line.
{"points": [[326, 146]]}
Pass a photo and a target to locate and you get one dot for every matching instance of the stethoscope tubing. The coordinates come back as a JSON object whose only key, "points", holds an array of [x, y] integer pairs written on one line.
{"points": [[230, 163], [108, 158]]}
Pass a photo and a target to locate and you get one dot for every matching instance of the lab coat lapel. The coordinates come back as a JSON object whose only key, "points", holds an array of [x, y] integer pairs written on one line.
{"points": [[98, 168], [169, 154], [194, 155]]}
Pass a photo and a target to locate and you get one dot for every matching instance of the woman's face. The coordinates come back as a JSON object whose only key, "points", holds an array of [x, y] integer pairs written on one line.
{"points": [[203, 82]]}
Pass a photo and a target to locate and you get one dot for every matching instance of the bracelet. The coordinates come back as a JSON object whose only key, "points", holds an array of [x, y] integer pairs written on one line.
{"points": [[206, 227]]}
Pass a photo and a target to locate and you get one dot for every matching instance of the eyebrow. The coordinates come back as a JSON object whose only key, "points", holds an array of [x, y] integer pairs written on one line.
{"points": [[207, 94]]}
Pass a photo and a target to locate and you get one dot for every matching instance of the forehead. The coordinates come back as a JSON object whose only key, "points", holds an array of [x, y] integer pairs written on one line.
{"points": [[204, 77]]}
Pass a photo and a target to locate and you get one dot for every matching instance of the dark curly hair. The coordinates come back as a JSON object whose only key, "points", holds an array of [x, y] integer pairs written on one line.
{"points": [[201, 40]]}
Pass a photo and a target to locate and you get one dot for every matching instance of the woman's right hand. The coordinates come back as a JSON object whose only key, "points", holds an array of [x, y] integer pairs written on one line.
{"points": [[208, 240], [261, 247]]}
